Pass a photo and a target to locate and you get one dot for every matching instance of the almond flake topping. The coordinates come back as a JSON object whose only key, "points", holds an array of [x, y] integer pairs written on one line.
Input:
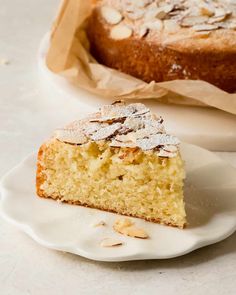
{"points": [[142, 16], [122, 126], [203, 27], [106, 132], [111, 15], [127, 227], [71, 136], [120, 32], [157, 140]]}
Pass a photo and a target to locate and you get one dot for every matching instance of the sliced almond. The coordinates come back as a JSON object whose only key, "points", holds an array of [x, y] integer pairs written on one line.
{"points": [[160, 13], [142, 3], [136, 14], [111, 15], [136, 232], [71, 136], [157, 140], [130, 137], [127, 227], [170, 148], [168, 8], [122, 223], [118, 112], [190, 21], [216, 19], [106, 132], [232, 25], [151, 12], [155, 25], [205, 27], [220, 12], [110, 242], [120, 32], [134, 123], [143, 31], [171, 25], [206, 9]]}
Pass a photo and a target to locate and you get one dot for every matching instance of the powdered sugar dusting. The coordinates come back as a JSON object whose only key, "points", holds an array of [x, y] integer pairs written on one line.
{"points": [[123, 126]]}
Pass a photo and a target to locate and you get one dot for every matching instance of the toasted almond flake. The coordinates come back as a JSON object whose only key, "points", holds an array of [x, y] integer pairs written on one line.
{"points": [[127, 227], [123, 222], [120, 32], [136, 14], [116, 112], [157, 140], [167, 8], [232, 25], [142, 3], [166, 154], [216, 19], [129, 137], [205, 27], [134, 123], [118, 102], [93, 127], [71, 136], [160, 13], [106, 132], [155, 25], [135, 232], [110, 242], [207, 10], [143, 31], [220, 12], [100, 223], [111, 15], [190, 21], [170, 148], [171, 25]]}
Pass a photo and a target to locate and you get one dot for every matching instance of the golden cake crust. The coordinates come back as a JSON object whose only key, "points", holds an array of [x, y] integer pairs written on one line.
{"points": [[163, 56], [40, 177]]}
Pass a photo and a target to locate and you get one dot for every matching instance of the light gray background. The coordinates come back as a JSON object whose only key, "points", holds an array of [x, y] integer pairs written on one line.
{"points": [[26, 118]]}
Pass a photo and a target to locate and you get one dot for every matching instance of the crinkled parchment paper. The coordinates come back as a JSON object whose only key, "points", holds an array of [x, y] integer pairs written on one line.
{"points": [[68, 55]]}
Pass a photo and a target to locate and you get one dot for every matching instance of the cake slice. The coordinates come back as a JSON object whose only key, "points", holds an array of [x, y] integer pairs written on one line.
{"points": [[119, 159]]}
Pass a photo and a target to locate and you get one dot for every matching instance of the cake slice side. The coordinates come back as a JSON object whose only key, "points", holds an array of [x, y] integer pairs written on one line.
{"points": [[129, 180]]}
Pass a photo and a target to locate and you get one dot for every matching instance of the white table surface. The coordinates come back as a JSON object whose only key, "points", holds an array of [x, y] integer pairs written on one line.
{"points": [[27, 117]]}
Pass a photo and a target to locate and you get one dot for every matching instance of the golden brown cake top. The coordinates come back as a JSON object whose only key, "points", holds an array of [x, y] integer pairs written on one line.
{"points": [[122, 126], [173, 21]]}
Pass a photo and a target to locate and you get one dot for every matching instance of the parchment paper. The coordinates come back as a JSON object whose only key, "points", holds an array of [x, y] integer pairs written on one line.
{"points": [[68, 55]]}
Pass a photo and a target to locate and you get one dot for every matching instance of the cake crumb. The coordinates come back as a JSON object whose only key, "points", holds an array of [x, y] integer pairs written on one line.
{"points": [[4, 61]]}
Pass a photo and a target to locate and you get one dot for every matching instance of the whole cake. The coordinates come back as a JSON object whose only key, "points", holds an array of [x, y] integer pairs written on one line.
{"points": [[119, 159], [167, 40]]}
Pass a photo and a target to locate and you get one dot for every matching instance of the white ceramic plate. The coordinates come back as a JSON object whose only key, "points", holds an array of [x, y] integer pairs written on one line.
{"points": [[210, 195]]}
